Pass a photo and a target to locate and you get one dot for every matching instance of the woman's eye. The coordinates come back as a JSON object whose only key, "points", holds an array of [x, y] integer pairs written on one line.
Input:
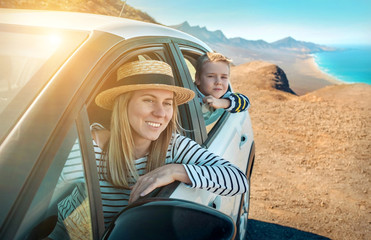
{"points": [[148, 100], [168, 103]]}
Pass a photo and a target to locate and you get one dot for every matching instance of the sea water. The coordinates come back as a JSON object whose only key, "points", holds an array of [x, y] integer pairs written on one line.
{"points": [[350, 64]]}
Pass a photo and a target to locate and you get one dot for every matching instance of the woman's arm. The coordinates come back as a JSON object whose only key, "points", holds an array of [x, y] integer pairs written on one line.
{"points": [[158, 177], [207, 170]]}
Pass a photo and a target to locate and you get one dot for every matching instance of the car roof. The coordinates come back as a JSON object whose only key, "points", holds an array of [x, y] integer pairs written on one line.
{"points": [[122, 27]]}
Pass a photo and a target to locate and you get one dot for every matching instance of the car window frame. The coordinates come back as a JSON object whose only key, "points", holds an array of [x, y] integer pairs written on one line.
{"points": [[210, 136]]}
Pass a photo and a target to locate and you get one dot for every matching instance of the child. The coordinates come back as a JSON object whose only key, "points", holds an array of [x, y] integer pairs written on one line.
{"points": [[212, 80]]}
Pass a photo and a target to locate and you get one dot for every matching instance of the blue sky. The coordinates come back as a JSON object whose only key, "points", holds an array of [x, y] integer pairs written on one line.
{"points": [[319, 21]]}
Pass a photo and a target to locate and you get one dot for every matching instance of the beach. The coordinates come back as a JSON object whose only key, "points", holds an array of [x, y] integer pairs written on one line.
{"points": [[303, 72]]}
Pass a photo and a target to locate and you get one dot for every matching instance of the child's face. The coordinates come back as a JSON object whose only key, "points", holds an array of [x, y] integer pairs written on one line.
{"points": [[213, 79]]}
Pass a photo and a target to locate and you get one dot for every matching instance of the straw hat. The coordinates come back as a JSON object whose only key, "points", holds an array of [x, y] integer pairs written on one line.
{"points": [[140, 75]]}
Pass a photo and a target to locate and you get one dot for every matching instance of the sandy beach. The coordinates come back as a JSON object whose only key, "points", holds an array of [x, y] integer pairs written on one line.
{"points": [[305, 75], [301, 70]]}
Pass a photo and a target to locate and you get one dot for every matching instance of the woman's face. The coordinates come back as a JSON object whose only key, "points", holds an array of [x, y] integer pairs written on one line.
{"points": [[150, 111]]}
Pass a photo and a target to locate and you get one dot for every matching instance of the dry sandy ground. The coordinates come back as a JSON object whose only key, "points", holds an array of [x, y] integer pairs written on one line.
{"points": [[312, 169]]}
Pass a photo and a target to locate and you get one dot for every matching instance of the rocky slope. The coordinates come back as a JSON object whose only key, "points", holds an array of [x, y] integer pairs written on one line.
{"points": [[104, 7], [262, 75], [312, 168]]}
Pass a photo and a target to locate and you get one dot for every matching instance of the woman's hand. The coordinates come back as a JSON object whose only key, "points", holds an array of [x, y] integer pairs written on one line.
{"points": [[157, 178]]}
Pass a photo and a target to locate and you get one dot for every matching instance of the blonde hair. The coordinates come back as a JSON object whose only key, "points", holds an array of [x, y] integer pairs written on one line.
{"points": [[119, 155], [211, 57]]}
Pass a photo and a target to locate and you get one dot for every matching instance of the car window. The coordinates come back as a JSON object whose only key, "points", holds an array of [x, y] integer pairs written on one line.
{"points": [[190, 57], [61, 204]]}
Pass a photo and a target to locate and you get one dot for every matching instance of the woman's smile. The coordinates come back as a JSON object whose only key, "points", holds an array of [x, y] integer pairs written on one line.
{"points": [[153, 124]]}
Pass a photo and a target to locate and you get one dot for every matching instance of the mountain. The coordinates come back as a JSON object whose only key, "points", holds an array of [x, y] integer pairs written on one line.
{"points": [[217, 37], [300, 46], [202, 33]]}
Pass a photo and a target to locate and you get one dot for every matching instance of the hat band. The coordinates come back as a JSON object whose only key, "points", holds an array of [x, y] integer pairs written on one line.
{"points": [[147, 79]]}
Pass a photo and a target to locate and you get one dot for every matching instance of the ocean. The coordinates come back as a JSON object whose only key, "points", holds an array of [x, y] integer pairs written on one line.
{"points": [[351, 64]]}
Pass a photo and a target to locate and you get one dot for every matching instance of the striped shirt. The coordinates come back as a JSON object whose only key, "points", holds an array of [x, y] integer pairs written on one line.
{"points": [[205, 170], [238, 103]]}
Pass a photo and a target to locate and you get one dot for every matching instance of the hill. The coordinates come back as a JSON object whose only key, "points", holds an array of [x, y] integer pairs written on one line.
{"points": [[262, 75], [312, 167], [109, 7]]}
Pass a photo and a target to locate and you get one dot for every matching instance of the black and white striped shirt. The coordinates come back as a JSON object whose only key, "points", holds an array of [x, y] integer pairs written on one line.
{"points": [[205, 170]]}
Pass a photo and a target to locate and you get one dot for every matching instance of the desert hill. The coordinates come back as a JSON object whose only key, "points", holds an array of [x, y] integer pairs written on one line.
{"points": [[110, 7], [312, 167], [350, 94], [262, 75]]}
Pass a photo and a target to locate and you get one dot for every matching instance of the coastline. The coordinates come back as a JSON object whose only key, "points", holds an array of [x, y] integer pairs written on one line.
{"points": [[304, 74], [320, 72]]}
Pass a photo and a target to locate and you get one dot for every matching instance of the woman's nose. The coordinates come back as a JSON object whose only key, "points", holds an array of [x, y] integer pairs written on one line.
{"points": [[159, 110]]}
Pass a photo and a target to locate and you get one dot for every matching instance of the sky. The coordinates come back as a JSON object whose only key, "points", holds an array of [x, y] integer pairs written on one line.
{"points": [[318, 21]]}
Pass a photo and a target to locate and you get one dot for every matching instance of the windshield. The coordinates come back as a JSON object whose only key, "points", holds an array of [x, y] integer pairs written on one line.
{"points": [[21, 55], [29, 57]]}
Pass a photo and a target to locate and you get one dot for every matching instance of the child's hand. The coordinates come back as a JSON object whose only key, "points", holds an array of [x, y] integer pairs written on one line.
{"points": [[216, 102]]}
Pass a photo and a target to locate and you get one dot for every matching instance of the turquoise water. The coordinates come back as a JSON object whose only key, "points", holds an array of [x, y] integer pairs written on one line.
{"points": [[351, 64]]}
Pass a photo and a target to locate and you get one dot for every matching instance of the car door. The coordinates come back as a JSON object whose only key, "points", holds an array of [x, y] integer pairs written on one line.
{"points": [[230, 136], [36, 140]]}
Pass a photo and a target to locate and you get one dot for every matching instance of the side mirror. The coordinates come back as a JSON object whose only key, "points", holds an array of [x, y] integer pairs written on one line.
{"points": [[170, 219]]}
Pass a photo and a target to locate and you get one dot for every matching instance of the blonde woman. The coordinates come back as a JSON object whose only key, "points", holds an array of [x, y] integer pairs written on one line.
{"points": [[142, 150]]}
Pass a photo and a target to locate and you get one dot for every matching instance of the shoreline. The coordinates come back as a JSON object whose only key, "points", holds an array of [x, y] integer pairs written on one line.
{"points": [[304, 74], [326, 76]]}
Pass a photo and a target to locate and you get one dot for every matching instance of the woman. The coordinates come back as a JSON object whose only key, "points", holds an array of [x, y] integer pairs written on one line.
{"points": [[143, 140], [142, 150]]}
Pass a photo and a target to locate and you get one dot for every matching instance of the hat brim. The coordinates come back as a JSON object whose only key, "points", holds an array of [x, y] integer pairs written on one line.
{"points": [[107, 98]]}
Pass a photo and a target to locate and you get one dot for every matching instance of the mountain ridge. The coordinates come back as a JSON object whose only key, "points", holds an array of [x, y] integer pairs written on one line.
{"points": [[217, 37]]}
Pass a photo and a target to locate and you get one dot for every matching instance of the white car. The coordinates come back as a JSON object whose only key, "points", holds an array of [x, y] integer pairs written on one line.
{"points": [[53, 64]]}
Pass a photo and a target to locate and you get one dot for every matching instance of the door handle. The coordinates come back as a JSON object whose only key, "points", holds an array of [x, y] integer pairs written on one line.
{"points": [[243, 140], [216, 203]]}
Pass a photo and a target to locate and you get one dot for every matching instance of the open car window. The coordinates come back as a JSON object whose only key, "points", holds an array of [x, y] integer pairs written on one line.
{"points": [[213, 121]]}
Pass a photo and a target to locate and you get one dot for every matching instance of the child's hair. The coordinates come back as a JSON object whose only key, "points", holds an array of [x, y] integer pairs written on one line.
{"points": [[211, 57]]}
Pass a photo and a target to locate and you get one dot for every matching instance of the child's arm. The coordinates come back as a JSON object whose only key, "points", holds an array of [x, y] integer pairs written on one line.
{"points": [[235, 102], [238, 103], [216, 102]]}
